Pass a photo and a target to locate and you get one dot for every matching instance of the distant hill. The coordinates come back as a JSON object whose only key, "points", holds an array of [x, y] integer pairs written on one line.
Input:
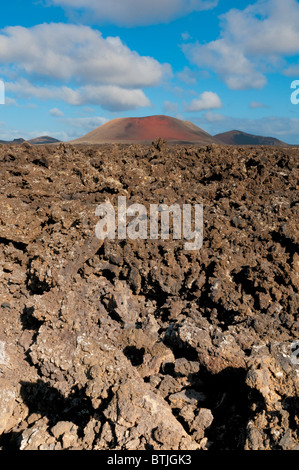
{"points": [[37, 141], [12, 142], [145, 130], [242, 138], [45, 139]]}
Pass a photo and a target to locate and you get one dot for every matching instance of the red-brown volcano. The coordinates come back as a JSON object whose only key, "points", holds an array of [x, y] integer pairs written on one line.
{"points": [[146, 129]]}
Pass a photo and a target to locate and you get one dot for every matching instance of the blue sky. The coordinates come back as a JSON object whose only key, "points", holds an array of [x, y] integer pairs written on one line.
{"points": [[71, 65]]}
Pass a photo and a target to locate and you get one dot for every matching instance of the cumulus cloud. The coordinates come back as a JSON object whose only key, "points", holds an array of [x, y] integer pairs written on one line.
{"points": [[135, 12], [75, 52], [206, 101], [79, 66], [56, 112], [252, 42], [111, 98]]}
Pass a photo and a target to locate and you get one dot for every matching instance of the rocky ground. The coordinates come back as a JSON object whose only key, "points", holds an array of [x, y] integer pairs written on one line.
{"points": [[142, 344]]}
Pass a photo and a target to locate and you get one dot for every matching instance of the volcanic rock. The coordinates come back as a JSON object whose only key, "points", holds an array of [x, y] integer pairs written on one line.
{"points": [[141, 344]]}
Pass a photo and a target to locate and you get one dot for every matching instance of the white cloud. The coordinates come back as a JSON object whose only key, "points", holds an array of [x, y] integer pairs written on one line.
{"points": [[77, 65], [112, 98], [207, 100], [135, 12], [68, 52], [253, 41], [56, 112]]}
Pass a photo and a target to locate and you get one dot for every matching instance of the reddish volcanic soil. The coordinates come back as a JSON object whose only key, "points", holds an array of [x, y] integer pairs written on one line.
{"points": [[146, 129]]}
